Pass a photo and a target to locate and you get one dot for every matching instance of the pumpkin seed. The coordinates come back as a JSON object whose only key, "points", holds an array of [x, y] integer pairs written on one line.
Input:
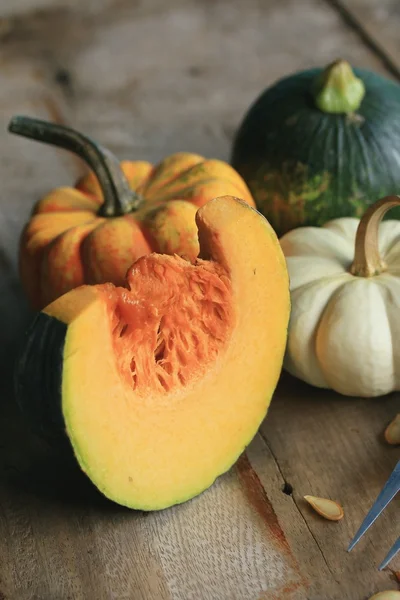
{"points": [[392, 431], [387, 595], [326, 508]]}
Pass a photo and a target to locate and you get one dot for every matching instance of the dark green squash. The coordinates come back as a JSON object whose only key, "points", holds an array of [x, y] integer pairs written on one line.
{"points": [[321, 144]]}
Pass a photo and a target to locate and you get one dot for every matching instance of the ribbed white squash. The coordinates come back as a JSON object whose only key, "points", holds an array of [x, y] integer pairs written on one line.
{"points": [[344, 330]]}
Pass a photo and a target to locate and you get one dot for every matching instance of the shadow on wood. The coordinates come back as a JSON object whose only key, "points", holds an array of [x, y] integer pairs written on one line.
{"points": [[29, 464], [57, 480]]}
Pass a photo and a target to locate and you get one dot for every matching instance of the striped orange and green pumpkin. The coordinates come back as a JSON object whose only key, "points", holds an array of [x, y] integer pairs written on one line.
{"points": [[93, 232], [321, 144]]}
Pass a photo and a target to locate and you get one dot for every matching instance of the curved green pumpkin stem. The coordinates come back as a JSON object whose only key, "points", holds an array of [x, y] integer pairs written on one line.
{"points": [[337, 90], [119, 199], [367, 259]]}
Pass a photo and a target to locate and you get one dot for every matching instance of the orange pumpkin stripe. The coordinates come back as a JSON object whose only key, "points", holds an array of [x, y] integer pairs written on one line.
{"points": [[66, 199], [202, 174], [136, 172], [89, 186], [37, 235], [111, 249], [203, 191], [169, 170], [43, 231], [60, 221], [200, 194], [173, 230], [61, 267]]}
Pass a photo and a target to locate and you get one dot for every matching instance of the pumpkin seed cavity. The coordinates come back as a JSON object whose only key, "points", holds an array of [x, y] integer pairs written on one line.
{"points": [[164, 343]]}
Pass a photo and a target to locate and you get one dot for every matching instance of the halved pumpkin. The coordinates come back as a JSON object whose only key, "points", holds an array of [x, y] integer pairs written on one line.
{"points": [[162, 384]]}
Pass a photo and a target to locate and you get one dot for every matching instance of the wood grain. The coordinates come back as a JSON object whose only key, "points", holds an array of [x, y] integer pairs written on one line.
{"points": [[378, 25], [148, 78], [66, 541], [331, 446]]}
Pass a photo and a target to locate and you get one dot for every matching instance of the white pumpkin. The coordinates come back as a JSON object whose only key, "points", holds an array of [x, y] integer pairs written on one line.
{"points": [[344, 330]]}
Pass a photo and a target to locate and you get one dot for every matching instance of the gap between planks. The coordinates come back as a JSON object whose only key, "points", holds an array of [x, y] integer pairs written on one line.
{"points": [[303, 544], [369, 33], [264, 439]]}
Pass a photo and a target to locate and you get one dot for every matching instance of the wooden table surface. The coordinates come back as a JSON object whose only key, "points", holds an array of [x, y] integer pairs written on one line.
{"points": [[148, 78]]}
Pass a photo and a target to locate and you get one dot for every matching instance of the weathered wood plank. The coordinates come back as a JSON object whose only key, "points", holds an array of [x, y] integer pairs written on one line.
{"points": [[332, 446], [378, 25], [229, 57], [27, 172], [66, 541], [316, 575], [147, 79], [191, 73]]}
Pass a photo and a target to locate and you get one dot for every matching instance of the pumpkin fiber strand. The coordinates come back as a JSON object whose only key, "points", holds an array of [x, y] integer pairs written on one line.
{"points": [[119, 198]]}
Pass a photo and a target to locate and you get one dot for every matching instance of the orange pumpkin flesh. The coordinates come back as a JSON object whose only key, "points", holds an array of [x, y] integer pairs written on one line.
{"points": [[165, 381], [71, 240]]}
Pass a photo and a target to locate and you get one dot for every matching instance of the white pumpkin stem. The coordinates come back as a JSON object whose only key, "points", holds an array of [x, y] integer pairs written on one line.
{"points": [[367, 260]]}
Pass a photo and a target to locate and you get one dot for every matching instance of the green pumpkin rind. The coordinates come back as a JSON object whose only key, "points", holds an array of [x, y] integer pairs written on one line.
{"points": [[38, 378], [304, 166]]}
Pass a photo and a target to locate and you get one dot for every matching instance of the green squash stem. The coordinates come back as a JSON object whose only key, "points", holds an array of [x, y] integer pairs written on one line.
{"points": [[119, 199], [367, 259], [337, 90]]}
